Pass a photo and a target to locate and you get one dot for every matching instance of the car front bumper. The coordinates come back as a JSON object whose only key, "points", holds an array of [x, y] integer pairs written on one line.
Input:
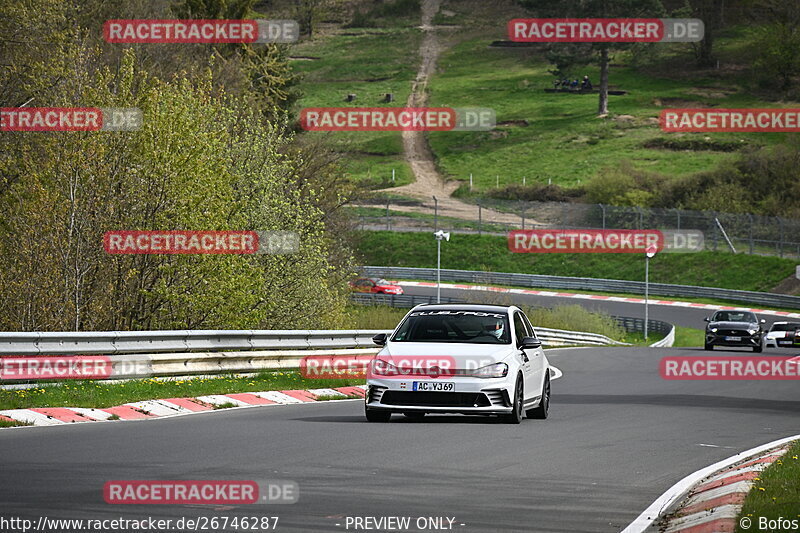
{"points": [[716, 339], [490, 396]]}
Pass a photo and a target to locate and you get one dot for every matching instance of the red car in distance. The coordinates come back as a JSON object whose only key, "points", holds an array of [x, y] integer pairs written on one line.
{"points": [[376, 285]]}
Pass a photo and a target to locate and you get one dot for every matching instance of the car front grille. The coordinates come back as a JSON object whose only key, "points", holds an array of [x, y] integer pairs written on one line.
{"points": [[435, 399], [733, 332]]}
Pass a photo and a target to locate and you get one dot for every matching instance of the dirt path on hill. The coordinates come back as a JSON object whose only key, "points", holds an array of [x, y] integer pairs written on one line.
{"points": [[418, 153]]}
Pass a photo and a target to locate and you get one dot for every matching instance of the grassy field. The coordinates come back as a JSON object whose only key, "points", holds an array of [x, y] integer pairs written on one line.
{"points": [[367, 62], [688, 337], [775, 495], [563, 140], [560, 139], [490, 253]]}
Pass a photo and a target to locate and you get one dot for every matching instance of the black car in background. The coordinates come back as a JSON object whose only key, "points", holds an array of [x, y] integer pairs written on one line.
{"points": [[734, 328]]}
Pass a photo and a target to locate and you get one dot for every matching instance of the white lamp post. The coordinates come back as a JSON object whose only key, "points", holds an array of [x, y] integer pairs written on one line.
{"points": [[439, 236], [650, 252]]}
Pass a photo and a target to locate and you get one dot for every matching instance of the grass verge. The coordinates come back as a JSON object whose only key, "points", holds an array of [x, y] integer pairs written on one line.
{"points": [[688, 337], [13, 423], [775, 495], [490, 253], [100, 394]]}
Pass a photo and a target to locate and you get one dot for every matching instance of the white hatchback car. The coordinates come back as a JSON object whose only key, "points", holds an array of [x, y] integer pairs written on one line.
{"points": [[459, 358]]}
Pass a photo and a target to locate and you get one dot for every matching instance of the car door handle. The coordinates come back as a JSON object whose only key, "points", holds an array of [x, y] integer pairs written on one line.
{"points": [[525, 357]]}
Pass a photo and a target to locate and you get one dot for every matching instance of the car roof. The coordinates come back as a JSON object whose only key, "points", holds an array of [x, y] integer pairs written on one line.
{"points": [[467, 307]]}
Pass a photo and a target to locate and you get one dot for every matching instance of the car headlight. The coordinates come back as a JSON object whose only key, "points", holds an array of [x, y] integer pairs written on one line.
{"points": [[752, 331], [496, 370], [384, 368], [713, 330]]}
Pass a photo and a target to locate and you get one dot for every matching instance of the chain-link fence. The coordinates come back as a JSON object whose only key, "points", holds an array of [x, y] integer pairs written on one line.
{"points": [[742, 233]]}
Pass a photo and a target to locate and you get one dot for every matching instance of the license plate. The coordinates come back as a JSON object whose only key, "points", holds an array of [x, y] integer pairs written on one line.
{"points": [[440, 386], [784, 342], [733, 338]]}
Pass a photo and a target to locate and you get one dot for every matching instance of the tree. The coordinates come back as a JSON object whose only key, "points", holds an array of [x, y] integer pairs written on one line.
{"points": [[565, 55], [778, 44]]}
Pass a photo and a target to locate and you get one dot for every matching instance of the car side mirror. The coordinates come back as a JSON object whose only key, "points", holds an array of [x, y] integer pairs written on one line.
{"points": [[530, 343], [380, 339], [763, 321], [706, 319]]}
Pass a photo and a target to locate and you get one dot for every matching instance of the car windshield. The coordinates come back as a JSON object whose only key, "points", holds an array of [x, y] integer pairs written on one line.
{"points": [[477, 327], [380, 281], [734, 316], [791, 326]]}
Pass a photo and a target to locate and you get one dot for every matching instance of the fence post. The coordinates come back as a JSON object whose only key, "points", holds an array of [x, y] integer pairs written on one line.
{"points": [[388, 218], [780, 223], [641, 217], [678, 213], [480, 218], [752, 222], [603, 209], [716, 229], [522, 214]]}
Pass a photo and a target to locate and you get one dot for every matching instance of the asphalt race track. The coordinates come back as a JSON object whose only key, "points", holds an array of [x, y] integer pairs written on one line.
{"points": [[618, 436], [680, 316]]}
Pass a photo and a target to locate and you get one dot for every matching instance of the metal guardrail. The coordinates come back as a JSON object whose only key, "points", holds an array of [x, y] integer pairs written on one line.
{"points": [[549, 337], [591, 284], [178, 341], [560, 337], [169, 353], [208, 352]]}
